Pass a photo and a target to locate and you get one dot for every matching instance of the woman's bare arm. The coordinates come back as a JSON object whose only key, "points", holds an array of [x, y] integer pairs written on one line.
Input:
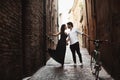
{"points": [[55, 34]]}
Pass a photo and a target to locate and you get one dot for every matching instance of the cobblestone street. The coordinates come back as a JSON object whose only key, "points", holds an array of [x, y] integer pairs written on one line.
{"points": [[53, 71]]}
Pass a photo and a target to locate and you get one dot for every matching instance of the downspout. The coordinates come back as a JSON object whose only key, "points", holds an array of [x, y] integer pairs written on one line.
{"points": [[95, 16], [44, 32]]}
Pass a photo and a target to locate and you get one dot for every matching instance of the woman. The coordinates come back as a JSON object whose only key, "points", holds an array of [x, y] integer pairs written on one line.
{"points": [[59, 53]]}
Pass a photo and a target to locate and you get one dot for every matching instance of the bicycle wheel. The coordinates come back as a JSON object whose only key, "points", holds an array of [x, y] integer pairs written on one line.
{"points": [[97, 70], [92, 62]]}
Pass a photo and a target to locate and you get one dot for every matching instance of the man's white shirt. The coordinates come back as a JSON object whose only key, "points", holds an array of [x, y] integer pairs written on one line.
{"points": [[73, 35]]}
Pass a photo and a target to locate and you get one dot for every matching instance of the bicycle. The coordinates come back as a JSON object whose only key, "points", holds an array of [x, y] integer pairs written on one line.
{"points": [[95, 61]]}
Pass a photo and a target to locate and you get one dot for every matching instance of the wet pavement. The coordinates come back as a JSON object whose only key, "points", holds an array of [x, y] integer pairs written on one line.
{"points": [[54, 71]]}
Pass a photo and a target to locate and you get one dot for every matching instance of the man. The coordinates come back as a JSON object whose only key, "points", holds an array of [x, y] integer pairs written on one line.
{"points": [[74, 42]]}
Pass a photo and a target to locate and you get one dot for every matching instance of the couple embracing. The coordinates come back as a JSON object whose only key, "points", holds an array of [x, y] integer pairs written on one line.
{"points": [[59, 53]]}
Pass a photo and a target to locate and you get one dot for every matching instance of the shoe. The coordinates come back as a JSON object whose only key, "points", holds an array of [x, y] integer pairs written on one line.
{"points": [[81, 65]]}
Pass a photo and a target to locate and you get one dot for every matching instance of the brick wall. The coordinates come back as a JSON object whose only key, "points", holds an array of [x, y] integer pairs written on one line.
{"points": [[10, 40], [34, 41], [23, 44]]}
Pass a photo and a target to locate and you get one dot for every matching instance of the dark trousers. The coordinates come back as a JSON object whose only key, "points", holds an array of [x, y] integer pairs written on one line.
{"points": [[75, 48]]}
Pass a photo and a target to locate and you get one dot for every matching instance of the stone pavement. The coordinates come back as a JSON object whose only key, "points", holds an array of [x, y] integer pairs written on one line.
{"points": [[54, 71]]}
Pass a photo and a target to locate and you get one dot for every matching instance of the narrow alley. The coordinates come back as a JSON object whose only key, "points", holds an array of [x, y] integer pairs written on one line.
{"points": [[53, 70], [25, 27]]}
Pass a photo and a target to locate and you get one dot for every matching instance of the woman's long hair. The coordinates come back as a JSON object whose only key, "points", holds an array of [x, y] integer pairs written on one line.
{"points": [[63, 27]]}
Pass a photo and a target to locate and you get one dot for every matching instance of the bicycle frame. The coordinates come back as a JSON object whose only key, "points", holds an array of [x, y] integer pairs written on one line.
{"points": [[95, 62]]}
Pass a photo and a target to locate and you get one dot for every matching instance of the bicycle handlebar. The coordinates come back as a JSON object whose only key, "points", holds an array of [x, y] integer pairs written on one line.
{"points": [[98, 41]]}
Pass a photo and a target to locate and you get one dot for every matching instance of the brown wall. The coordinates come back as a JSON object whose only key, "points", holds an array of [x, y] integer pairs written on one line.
{"points": [[11, 56], [90, 22], [115, 39], [51, 22], [33, 36], [107, 20], [23, 39]]}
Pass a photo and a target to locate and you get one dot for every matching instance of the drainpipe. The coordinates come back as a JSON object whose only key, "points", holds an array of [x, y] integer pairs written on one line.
{"points": [[44, 32], [95, 16]]}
